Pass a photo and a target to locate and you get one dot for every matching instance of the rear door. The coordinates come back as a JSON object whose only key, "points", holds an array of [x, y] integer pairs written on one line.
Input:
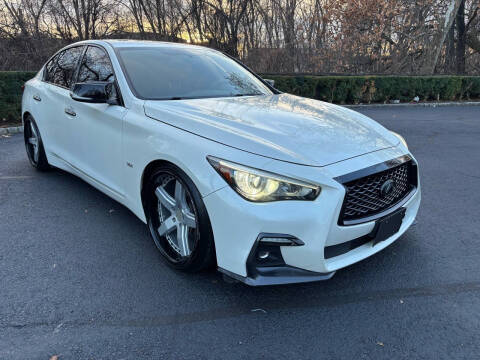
{"points": [[57, 80], [96, 131]]}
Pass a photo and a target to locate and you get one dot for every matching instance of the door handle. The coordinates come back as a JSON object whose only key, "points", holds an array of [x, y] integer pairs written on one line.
{"points": [[37, 98], [69, 111]]}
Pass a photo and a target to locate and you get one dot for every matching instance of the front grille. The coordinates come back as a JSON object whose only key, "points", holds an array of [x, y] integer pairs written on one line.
{"points": [[364, 198]]}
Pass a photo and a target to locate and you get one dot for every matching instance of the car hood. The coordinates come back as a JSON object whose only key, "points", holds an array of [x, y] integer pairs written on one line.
{"points": [[283, 127]]}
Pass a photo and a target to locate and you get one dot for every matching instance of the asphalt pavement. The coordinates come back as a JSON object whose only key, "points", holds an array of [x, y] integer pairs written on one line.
{"points": [[80, 277]]}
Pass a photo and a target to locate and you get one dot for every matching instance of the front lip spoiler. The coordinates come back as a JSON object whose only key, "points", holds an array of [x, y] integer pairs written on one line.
{"points": [[279, 275], [275, 271]]}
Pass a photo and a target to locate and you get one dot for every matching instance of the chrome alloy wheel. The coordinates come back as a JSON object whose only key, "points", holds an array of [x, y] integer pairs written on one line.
{"points": [[177, 219], [176, 215], [33, 142]]}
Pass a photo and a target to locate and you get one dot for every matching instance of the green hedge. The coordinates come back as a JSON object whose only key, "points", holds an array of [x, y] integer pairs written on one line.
{"points": [[379, 89], [336, 89], [11, 94]]}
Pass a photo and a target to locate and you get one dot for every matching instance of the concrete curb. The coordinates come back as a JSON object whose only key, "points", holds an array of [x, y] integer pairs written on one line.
{"points": [[11, 130], [430, 104]]}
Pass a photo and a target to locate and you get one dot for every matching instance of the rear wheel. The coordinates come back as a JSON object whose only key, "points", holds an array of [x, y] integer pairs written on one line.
{"points": [[34, 145], [178, 220]]}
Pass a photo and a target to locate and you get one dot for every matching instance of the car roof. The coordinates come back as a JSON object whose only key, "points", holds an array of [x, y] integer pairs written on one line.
{"points": [[123, 43]]}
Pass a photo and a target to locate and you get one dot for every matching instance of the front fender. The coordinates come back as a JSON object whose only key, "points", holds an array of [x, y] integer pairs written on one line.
{"points": [[147, 141]]}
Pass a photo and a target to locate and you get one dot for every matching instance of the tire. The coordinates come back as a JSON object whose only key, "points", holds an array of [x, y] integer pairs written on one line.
{"points": [[34, 145], [178, 220]]}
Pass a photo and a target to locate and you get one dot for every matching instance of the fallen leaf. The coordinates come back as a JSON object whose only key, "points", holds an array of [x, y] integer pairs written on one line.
{"points": [[57, 329], [380, 343], [255, 310]]}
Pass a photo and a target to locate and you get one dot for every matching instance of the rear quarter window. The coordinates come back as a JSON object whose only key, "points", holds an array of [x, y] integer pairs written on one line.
{"points": [[61, 68]]}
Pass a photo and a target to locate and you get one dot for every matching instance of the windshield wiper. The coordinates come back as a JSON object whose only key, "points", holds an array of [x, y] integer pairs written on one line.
{"points": [[250, 94], [210, 96]]}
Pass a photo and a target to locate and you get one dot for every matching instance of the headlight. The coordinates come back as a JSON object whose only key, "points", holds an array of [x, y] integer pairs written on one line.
{"points": [[261, 186], [400, 137]]}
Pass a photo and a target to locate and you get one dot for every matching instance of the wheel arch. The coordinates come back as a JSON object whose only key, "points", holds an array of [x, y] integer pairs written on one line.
{"points": [[26, 114], [151, 167], [208, 258], [147, 172]]}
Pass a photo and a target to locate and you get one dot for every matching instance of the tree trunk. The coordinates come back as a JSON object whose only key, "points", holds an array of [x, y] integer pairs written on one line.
{"points": [[450, 51], [461, 38], [289, 33], [433, 50]]}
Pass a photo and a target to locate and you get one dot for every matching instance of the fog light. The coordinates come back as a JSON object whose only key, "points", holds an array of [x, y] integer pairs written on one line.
{"points": [[262, 255], [266, 252]]}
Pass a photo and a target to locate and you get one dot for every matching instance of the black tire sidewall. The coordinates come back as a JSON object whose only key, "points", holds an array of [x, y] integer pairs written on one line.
{"points": [[26, 133]]}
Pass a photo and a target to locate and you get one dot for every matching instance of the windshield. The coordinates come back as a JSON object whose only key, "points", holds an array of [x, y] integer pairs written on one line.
{"points": [[163, 73]]}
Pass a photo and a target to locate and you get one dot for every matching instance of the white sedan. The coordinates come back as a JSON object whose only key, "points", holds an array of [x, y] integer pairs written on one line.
{"points": [[222, 167]]}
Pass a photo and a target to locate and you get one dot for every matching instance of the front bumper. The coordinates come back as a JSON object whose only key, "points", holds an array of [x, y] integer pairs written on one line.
{"points": [[237, 223]]}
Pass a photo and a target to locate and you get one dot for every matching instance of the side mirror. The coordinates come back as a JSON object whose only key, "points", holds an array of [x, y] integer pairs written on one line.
{"points": [[270, 82], [97, 92]]}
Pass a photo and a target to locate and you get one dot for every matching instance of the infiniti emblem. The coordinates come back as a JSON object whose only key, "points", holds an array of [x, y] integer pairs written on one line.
{"points": [[387, 188]]}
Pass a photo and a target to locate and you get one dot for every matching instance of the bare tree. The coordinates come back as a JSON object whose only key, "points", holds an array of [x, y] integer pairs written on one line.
{"points": [[434, 48], [25, 15], [220, 21], [472, 29], [309, 36], [81, 19]]}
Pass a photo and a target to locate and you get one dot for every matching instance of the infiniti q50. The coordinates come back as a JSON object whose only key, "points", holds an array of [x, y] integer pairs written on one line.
{"points": [[223, 168]]}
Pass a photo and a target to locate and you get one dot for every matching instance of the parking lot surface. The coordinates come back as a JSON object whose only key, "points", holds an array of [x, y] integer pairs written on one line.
{"points": [[81, 279]]}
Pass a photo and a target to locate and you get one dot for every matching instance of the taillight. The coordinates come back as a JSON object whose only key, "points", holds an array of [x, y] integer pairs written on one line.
{"points": [[23, 87]]}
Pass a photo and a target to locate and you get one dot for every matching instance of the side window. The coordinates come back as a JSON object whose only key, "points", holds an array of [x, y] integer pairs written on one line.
{"points": [[95, 66], [50, 70], [61, 68]]}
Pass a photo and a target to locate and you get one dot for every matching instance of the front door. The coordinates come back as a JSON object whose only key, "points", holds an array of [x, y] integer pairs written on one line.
{"points": [[96, 133]]}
